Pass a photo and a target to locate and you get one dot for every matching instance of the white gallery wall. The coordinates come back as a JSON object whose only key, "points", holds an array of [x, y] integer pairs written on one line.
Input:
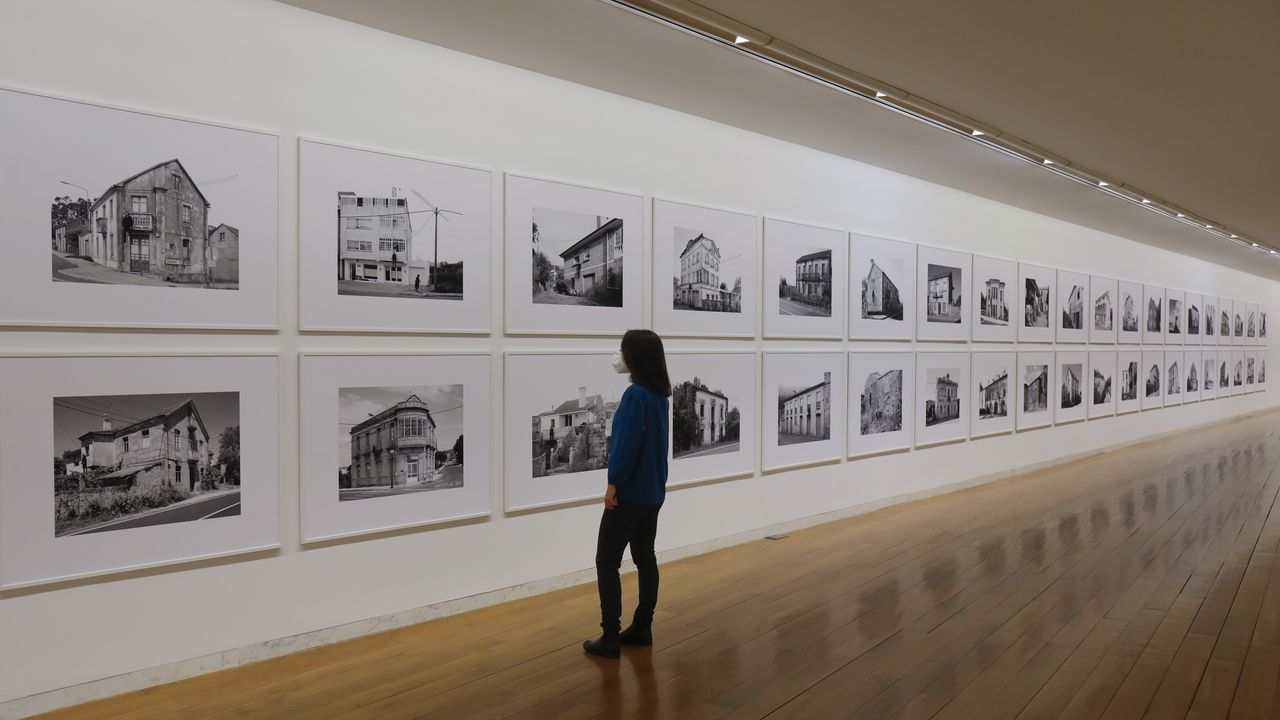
{"points": [[270, 67]]}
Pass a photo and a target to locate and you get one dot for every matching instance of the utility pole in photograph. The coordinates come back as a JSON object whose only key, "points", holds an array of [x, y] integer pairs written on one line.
{"points": [[435, 259]]}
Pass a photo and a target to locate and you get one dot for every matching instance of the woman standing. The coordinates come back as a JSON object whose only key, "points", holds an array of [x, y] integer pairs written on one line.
{"points": [[637, 487]]}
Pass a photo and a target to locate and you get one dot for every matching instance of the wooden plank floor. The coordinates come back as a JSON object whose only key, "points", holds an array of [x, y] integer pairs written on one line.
{"points": [[1139, 583]]}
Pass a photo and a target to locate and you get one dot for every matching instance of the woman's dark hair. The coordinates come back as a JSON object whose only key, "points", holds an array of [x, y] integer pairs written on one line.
{"points": [[643, 353]]}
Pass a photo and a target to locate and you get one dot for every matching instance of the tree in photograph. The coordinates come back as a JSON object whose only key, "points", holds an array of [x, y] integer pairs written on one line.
{"points": [[732, 425], [457, 450], [229, 454], [64, 209]]}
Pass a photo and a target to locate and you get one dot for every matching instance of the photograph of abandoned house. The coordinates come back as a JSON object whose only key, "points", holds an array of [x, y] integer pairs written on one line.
{"points": [[805, 288], [704, 420], [573, 434], [804, 410], [880, 406]]}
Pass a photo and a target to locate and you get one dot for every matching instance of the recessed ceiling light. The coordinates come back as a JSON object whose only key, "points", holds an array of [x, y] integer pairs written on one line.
{"points": [[880, 95], [739, 40], [1256, 245], [1207, 226], [1047, 161], [1103, 183], [1181, 215], [1146, 201], [977, 133], [1233, 235]]}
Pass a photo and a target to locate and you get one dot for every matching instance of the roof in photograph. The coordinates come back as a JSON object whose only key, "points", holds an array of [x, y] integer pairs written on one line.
{"points": [[167, 418], [797, 394], [592, 237], [815, 256], [572, 406], [136, 175]]}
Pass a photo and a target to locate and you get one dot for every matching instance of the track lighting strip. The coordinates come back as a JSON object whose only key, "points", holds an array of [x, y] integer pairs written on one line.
{"points": [[708, 24]]}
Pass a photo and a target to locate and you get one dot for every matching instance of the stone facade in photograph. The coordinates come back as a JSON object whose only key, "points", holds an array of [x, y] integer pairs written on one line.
{"points": [[169, 448], [396, 447], [807, 413], [881, 403]]}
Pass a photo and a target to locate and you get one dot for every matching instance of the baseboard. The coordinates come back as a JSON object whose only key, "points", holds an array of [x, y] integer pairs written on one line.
{"points": [[171, 672]]}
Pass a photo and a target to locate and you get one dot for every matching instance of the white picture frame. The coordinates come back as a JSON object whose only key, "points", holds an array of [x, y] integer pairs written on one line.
{"points": [[1251, 324], [800, 438], [940, 311], [1103, 387], [1153, 324], [1193, 380], [1239, 309], [883, 305], [1128, 381], [1237, 372], [1036, 322], [1193, 326], [1071, 391], [362, 397], [572, 300], [818, 254], [729, 382], [1129, 319], [387, 202], [695, 250], [139, 192], [112, 413], [1152, 379], [572, 390], [991, 409], [942, 381], [874, 377], [1225, 368], [1103, 310], [1035, 390], [1175, 377], [1209, 327], [1072, 311], [993, 304], [1224, 321], [1175, 316]]}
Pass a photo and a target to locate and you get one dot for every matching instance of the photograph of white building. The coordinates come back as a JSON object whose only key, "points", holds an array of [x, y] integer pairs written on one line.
{"points": [[704, 279], [390, 243]]}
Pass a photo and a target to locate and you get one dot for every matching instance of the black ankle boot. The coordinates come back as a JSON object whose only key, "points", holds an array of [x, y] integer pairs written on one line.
{"points": [[637, 634], [604, 646]]}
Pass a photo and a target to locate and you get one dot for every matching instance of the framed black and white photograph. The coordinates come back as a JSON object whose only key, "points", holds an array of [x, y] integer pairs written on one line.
{"points": [[1129, 387], [156, 460], [1262, 370], [942, 391], [1225, 368], [1036, 303], [1209, 329], [881, 402], [1153, 379], [1175, 376], [1239, 309], [1071, 391], [558, 429], [391, 243], [803, 412], [994, 305], [882, 301], [705, 268], [1175, 317], [1262, 324], [1129, 313], [1152, 315], [392, 441], [1035, 390], [991, 408], [1251, 324], [568, 269], [1209, 373], [1071, 313], [1103, 387], [713, 415], [805, 280], [143, 216], [1224, 321], [1250, 370], [1193, 319], [1237, 372], [1104, 315], [942, 284], [1192, 376]]}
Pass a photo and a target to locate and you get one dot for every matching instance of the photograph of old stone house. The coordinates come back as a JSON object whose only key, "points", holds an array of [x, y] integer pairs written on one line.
{"points": [[1073, 308], [1129, 318], [1210, 374], [995, 303], [577, 258], [993, 394], [1173, 379], [399, 440], [881, 297], [1210, 315], [805, 288], [1104, 313], [1175, 316], [1251, 327], [1239, 373], [944, 295], [1036, 304], [1250, 371], [1129, 381], [1101, 387], [1153, 380], [944, 404], [1262, 370], [394, 242], [152, 225], [1239, 324], [880, 408], [572, 435], [1193, 378], [704, 279], [1262, 324], [1193, 319], [1224, 374], [134, 461], [704, 420], [1154, 315], [1071, 388], [1035, 388], [804, 410], [1224, 322]]}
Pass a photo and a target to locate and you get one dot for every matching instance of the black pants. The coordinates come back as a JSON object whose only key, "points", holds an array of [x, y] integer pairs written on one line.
{"points": [[637, 525]]}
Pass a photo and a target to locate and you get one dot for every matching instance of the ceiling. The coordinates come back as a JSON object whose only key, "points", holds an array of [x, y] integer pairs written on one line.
{"points": [[1179, 98]]}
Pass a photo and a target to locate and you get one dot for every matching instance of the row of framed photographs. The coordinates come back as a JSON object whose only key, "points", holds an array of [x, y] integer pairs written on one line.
{"points": [[165, 459], [161, 222]]}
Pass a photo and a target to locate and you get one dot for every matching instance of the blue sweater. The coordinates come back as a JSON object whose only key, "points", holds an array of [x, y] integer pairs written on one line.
{"points": [[638, 449]]}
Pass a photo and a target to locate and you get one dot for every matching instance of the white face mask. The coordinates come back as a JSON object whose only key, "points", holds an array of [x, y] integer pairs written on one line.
{"points": [[619, 365]]}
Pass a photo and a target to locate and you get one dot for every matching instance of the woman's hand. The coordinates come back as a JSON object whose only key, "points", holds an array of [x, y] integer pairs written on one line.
{"points": [[611, 497]]}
